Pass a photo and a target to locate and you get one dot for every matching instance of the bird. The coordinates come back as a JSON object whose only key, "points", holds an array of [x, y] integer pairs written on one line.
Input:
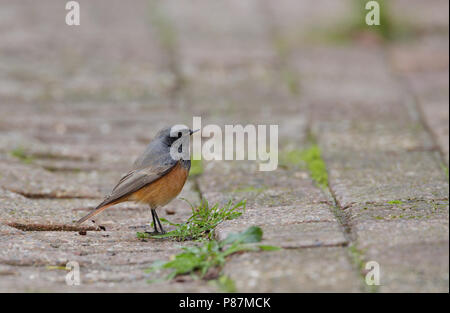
{"points": [[156, 177]]}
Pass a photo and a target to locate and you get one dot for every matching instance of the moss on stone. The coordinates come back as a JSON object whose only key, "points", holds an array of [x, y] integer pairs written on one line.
{"points": [[393, 202], [310, 159], [22, 155]]}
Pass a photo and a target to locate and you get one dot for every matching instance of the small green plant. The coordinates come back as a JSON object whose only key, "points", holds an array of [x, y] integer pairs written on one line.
{"points": [[199, 260], [311, 159], [21, 154], [202, 221], [394, 202], [316, 166]]}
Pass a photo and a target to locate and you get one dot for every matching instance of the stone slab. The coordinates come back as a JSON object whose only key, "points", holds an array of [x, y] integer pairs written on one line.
{"points": [[305, 270]]}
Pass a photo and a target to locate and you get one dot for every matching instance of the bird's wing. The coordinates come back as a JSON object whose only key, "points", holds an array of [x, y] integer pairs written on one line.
{"points": [[138, 178], [133, 181]]}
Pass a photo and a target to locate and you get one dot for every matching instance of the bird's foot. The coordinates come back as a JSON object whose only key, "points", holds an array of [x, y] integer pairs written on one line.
{"points": [[155, 233]]}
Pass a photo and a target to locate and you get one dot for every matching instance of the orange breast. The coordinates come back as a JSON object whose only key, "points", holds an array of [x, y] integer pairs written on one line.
{"points": [[163, 190]]}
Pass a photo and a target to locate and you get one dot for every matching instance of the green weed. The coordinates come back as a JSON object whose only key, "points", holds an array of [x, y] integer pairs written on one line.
{"points": [[393, 202], [311, 159], [202, 221], [199, 260]]}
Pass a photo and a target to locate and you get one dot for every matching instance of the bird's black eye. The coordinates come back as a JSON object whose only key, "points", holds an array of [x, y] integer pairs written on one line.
{"points": [[179, 135]]}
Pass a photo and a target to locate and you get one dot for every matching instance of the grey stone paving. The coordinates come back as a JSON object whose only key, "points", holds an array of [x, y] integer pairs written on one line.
{"points": [[77, 105]]}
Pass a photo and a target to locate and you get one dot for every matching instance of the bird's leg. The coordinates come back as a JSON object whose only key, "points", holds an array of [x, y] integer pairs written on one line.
{"points": [[159, 223], [154, 216], [154, 220]]}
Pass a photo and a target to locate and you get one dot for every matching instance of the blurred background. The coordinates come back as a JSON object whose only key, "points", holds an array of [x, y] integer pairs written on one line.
{"points": [[79, 103], [84, 91]]}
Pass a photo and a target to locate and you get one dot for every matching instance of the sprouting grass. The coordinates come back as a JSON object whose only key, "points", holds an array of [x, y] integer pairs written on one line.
{"points": [[21, 154], [202, 221], [311, 159], [393, 202], [199, 260], [316, 165]]}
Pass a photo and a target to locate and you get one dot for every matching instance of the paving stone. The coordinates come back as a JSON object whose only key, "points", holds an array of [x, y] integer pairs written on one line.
{"points": [[84, 112], [416, 267], [36, 285], [58, 213], [358, 177], [424, 64], [370, 138], [108, 256], [289, 227], [297, 20], [289, 211], [421, 55], [437, 117], [306, 270], [409, 222], [398, 211], [237, 40], [91, 70], [376, 151], [245, 96], [33, 181], [242, 180], [424, 17], [290, 236], [409, 240], [97, 249]]}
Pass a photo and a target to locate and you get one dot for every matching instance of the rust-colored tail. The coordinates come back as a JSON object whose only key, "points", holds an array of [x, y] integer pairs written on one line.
{"points": [[102, 206]]}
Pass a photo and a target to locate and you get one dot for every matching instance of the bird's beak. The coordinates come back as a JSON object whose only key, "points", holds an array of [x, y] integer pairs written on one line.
{"points": [[193, 131]]}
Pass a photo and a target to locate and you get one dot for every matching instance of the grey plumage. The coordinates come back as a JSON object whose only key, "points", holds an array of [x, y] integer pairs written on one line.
{"points": [[154, 163]]}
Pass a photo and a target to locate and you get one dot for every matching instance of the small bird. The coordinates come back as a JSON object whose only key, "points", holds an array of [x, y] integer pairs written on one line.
{"points": [[157, 176]]}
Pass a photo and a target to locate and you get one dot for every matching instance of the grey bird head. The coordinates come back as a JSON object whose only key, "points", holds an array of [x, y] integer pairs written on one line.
{"points": [[174, 134], [169, 145]]}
